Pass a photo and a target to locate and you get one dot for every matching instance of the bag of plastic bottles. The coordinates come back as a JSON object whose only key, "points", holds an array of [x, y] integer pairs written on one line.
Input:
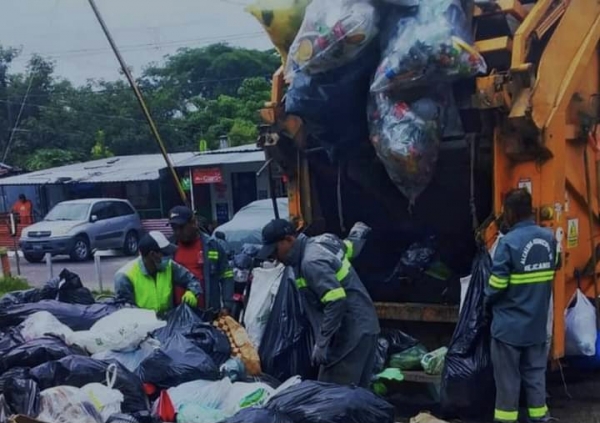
{"points": [[334, 33], [406, 139], [281, 19], [436, 44]]}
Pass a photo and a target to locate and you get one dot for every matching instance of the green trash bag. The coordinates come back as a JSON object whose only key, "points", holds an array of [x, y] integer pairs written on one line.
{"points": [[433, 362], [409, 359]]}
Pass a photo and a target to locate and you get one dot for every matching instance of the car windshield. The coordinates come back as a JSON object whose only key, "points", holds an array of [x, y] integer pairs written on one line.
{"points": [[68, 212]]}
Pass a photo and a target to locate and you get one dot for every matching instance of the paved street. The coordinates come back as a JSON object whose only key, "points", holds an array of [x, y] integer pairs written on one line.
{"points": [[37, 274]]}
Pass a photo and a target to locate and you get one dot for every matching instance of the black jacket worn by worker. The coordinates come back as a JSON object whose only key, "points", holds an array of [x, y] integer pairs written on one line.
{"points": [[520, 286], [340, 309]]}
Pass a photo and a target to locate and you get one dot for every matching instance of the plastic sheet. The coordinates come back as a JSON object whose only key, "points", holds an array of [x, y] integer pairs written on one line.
{"points": [[406, 139], [333, 33], [580, 326], [36, 352], [258, 415], [75, 316], [66, 404], [176, 362], [286, 348], [130, 359], [281, 19], [22, 396], [435, 45], [241, 346], [42, 324], [79, 371], [467, 379], [317, 402]]}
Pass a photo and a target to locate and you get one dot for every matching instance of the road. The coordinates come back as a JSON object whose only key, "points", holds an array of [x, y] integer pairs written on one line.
{"points": [[37, 274]]}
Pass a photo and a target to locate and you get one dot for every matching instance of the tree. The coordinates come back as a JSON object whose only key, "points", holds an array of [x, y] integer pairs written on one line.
{"points": [[51, 157]]}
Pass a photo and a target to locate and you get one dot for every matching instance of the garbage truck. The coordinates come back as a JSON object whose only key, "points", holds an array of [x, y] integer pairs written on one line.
{"points": [[530, 121]]}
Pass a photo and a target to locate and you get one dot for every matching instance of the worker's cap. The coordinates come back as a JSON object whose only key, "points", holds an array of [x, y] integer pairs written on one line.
{"points": [[180, 216], [156, 241], [276, 230]]}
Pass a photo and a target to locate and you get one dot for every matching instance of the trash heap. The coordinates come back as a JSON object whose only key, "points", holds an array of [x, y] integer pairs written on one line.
{"points": [[64, 360], [362, 70]]}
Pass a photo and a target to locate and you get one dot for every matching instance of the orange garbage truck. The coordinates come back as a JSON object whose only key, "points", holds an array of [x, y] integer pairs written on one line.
{"points": [[532, 121]]}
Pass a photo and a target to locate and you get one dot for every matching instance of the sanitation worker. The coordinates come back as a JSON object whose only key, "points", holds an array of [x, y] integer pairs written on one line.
{"points": [[340, 310], [149, 280], [518, 294]]}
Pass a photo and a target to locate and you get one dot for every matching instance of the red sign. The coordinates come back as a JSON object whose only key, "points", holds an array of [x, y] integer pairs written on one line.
{"points": [[211, 175]]}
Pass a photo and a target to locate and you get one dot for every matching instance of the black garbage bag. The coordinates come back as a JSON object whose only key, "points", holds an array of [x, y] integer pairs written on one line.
{"points": [[71, 290], [286, 346], [318, 402], [333, 103], [78, 371], [467, 379], [180, 320], [37, 351], [258, 415], [4, 411], [10, 339], [140, 417], [177, 361], [381, 355], [22, 396], [16, 373], [33, 295], [75, 316], [212, 341], [398, 340]]}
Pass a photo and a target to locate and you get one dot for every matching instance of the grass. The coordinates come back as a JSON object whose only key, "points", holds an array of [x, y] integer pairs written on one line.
{"points": [[12, 283]]}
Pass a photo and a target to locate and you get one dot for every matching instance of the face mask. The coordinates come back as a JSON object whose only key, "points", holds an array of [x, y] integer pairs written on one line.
{"points": [[161, 266]]}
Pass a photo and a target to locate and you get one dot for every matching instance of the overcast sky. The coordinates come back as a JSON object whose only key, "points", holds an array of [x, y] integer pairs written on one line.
{"points": [[146, 30]]}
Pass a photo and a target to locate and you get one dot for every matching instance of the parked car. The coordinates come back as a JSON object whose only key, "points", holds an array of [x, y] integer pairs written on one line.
{"points": [[78, 227], [246, 225]]}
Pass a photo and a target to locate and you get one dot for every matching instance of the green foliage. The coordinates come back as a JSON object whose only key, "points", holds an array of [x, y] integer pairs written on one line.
{"points": [[12, 283], [197, 95]]}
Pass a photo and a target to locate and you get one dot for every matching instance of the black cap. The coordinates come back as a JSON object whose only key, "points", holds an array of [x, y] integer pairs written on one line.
{"points": [[156, 241], [180, 215], [276, 230]]}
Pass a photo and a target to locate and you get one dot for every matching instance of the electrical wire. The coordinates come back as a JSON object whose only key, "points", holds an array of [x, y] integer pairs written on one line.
{"points": [[18, 120]]}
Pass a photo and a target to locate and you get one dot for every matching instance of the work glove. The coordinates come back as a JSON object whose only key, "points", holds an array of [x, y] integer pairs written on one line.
{"points": [[190, 299], [319, 355]]}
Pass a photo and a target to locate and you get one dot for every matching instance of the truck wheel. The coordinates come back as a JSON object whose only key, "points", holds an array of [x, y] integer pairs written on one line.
{"points": [[81, 249], [130, 248], [33, 258]]}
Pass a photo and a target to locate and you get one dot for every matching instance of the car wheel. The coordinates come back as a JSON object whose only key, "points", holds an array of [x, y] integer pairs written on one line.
{"points": [[81, 249], [34, 258], [130, 248]]}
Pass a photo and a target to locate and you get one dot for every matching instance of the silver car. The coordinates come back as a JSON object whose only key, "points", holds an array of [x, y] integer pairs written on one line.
{"points": [[78, 227]]}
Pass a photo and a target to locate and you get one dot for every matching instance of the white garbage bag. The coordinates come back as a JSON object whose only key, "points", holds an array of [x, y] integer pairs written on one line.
{"points": [[106, 400], [580, 323], [130, 359], [66, 404], [195, 413], [265, 284], [124, 330], [43, 323]]}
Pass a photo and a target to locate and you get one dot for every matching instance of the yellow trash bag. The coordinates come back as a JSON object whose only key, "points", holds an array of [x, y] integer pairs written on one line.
{"points": [[281, 19]]}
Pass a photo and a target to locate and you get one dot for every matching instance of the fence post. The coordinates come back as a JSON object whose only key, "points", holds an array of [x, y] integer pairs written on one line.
{"points": [[4, 260], [48, 258], [98, 268]]}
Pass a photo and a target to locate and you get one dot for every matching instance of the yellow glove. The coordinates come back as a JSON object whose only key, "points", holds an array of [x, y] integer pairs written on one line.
{"points": [[190, 299]]}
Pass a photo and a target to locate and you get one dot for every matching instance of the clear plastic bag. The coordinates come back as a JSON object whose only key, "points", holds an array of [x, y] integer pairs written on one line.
{"points": [[106, 399], [334, 33], [130, 359], [43, 323], [281, 19], [436, 44], [580, 323], [406, 139], [66, 404], [433, 362]]}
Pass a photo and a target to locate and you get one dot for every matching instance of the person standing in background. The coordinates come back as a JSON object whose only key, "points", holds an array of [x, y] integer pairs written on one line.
{"points": [[24, 209]]}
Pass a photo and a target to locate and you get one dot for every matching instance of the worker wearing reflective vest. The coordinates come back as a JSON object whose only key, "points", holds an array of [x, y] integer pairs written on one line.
{"points": [[518, 295], [149, 280], [205, 257], [341, 312]]}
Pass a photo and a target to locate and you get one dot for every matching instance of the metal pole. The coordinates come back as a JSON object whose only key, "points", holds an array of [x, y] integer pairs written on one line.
{"points": [[272, 190], [17, 258], [98, 271], [192, 199], [49, 265], [140, 99], [588, 186]]}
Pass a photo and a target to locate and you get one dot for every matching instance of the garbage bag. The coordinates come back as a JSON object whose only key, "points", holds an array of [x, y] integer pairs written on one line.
{"points": [[211, 340], [241, 346], [5, 413], [580, 324], [130, 359], [71, 290], [318, 402], [281, 19], [433, 362], [333, 33], [265, 284], [468, 388], [180, 320], [234, 369], [287, 343], [36, 352], [381, 355], [10, 339], [22, 396], [106, 400], [176, 362], [406, 139], [140, 417], [409, 359], [333, 104], [398, 340], [123, 330], [66, 404], [75, 316], [196, 413], [14, 373], [32, 295], [79, 371], [43, 324], [435, 45], [258, 415]]}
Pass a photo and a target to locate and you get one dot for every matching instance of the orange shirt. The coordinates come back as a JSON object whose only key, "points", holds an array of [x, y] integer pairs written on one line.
{"points": [[24, 209], [192, 258]]}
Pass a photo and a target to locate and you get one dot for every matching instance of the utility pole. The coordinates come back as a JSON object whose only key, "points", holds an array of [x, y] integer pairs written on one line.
{"points": [[140, 99]]}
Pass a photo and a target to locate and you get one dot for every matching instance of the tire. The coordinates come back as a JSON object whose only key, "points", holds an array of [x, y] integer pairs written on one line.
{"points": [[130, 247], [33, 258], [81, 249]]}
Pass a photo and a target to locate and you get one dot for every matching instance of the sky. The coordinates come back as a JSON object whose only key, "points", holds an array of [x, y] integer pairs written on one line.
{"points": [[67, 32]]}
